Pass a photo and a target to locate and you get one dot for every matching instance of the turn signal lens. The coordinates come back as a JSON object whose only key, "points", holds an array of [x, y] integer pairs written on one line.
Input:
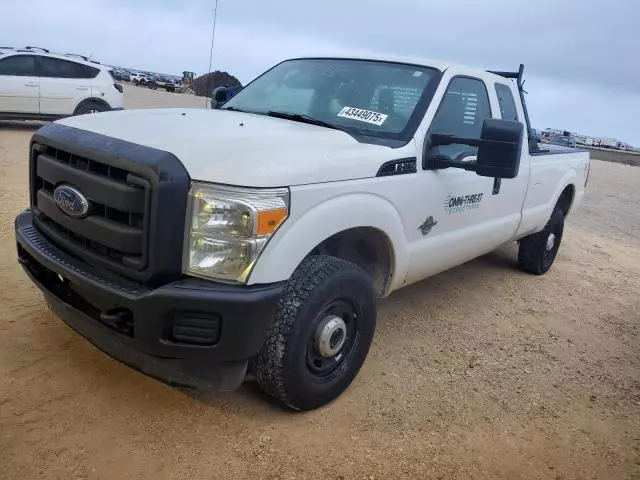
{"points": [[269, 221]]}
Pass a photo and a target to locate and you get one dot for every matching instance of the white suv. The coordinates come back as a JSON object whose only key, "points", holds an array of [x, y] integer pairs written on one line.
{"points": [[38, 85]]}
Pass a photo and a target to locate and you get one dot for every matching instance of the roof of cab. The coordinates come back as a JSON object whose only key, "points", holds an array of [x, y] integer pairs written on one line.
{"points": [[423, 62]]}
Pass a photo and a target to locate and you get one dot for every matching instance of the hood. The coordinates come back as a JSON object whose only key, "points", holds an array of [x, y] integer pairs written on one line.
{"points": [[243, 149]]}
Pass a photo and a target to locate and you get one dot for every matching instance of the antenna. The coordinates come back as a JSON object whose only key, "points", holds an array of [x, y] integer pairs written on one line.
{"points": [[213, 36]]}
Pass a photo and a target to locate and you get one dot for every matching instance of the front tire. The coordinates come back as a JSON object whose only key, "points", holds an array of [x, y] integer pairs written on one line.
{"points": [[537, 252], [320, 335]]}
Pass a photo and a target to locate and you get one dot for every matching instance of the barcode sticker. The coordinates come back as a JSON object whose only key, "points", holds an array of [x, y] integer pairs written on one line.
{"points": [[362, 115]]}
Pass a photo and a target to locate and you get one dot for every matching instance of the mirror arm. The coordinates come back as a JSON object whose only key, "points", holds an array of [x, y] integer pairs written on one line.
{"points": [[439, 139], [440, 161]]}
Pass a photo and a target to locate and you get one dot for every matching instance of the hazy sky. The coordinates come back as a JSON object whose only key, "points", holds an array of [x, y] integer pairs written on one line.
{"points": [[582, 57]]}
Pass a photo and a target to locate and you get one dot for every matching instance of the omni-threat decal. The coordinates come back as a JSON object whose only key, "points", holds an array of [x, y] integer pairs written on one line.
{"points": [[456, 204]]}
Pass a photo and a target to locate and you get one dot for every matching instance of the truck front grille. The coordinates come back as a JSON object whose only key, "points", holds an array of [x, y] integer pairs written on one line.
{"points": [[116, 227]]}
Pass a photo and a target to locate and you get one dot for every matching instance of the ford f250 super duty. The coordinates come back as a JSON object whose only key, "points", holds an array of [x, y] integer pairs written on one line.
{"points": [[200, 246]]}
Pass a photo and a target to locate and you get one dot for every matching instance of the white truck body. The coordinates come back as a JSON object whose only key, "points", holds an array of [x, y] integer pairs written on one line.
{"points": [[196, 245], [335, 188]]}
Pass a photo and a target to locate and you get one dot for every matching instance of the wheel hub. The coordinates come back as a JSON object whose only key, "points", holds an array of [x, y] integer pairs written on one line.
{"points": [[551, 241], [330, 336]]}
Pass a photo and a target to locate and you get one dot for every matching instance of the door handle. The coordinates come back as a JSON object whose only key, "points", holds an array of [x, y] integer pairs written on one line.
{"points": [[31, 84], [82, 88]]}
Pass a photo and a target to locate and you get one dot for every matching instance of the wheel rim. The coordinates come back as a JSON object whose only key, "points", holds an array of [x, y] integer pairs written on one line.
{"points": [[552, 244], [332, 339], [551, 241]]}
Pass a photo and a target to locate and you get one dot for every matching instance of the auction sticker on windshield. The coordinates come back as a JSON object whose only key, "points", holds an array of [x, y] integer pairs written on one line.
{"points": [[361, 115]]}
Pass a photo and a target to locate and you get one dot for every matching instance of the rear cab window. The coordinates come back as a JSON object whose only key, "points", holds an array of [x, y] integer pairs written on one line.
{"points": [[507, 102]]}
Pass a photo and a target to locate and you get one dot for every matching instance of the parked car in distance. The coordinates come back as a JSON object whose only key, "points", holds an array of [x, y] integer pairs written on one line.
{"points": [[37, 85], [139, 79], [562, 140], [202, 245], [120, 75], [163, 82]]}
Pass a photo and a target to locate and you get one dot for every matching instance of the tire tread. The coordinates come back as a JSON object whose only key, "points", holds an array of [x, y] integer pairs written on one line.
{"points": [[269, 364]]}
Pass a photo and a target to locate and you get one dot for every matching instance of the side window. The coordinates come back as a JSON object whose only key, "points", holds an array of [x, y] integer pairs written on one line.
{"points": [[18, 66], [57, 68], [463, 109], [506, 101]]}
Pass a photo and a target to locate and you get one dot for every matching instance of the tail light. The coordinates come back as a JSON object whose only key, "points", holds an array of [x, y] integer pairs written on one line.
{"points": [[118, 87]]}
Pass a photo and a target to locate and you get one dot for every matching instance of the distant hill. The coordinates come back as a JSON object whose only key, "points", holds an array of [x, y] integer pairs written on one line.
{"points": [[204, 85]]}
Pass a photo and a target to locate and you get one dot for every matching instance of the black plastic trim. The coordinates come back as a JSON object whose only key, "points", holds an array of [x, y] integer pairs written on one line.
{"points": [[29, 116], [94, 303], [103, 189], [169, 182], [106, 232], [541, 152], [401, 166]]}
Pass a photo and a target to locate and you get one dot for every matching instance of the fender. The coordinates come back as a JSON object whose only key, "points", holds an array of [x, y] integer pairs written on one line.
{"points": [[534, 219], [306, 228]]}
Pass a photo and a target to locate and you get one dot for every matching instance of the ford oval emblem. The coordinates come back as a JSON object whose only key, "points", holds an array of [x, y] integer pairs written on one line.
{"points": [[71, 201]]}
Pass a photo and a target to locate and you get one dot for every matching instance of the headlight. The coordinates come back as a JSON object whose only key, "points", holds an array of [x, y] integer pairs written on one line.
{"points": [[228, 227]]}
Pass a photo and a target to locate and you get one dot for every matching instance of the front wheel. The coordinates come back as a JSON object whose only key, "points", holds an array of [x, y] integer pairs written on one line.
{"points": [[320, 335], [537, 252]]}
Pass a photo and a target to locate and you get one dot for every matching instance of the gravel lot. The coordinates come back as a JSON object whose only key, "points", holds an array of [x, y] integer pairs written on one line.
{"points": [[480, 372]]}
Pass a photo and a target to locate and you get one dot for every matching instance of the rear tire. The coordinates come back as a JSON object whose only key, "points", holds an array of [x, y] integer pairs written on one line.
{"points": [[320, 335], [90, 107], [537, 252]]}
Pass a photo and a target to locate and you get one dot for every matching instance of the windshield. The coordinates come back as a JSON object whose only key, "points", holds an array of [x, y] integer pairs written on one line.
{"points": [[366, 97]]}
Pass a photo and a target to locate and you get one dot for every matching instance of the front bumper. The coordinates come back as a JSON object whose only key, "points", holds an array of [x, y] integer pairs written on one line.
{"points": [[189, 332]]}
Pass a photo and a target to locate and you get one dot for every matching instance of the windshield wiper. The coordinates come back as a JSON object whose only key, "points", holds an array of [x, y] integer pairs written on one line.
{"points": [[299, 117], [234, 109]]}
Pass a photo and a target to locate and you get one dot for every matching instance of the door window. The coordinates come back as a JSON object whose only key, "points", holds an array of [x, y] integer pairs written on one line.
{"points": [[464, 108], [18, 66], [58, 68], [507, 103]]}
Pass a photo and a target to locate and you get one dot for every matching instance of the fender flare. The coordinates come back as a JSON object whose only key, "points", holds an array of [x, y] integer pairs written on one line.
{"points": [[536, 218], [569, 178], [304, 231]]}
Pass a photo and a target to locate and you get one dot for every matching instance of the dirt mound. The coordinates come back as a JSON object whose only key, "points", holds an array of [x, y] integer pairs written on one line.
{"points": [[204, 85]]}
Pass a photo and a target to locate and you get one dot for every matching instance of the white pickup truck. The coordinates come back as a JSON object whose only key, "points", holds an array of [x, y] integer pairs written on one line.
{"points": [[200, 246]]}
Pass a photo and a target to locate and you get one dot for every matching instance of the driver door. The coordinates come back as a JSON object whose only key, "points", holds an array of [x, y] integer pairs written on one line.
{"points": [[461, 215]]}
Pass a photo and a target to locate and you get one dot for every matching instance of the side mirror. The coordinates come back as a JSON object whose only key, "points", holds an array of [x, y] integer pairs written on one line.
{"points": [[222, 95], [499, 149], [219, 97]]}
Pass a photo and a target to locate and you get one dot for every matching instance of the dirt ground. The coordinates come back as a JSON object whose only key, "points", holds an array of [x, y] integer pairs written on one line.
{"points": [[480, 372]]}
